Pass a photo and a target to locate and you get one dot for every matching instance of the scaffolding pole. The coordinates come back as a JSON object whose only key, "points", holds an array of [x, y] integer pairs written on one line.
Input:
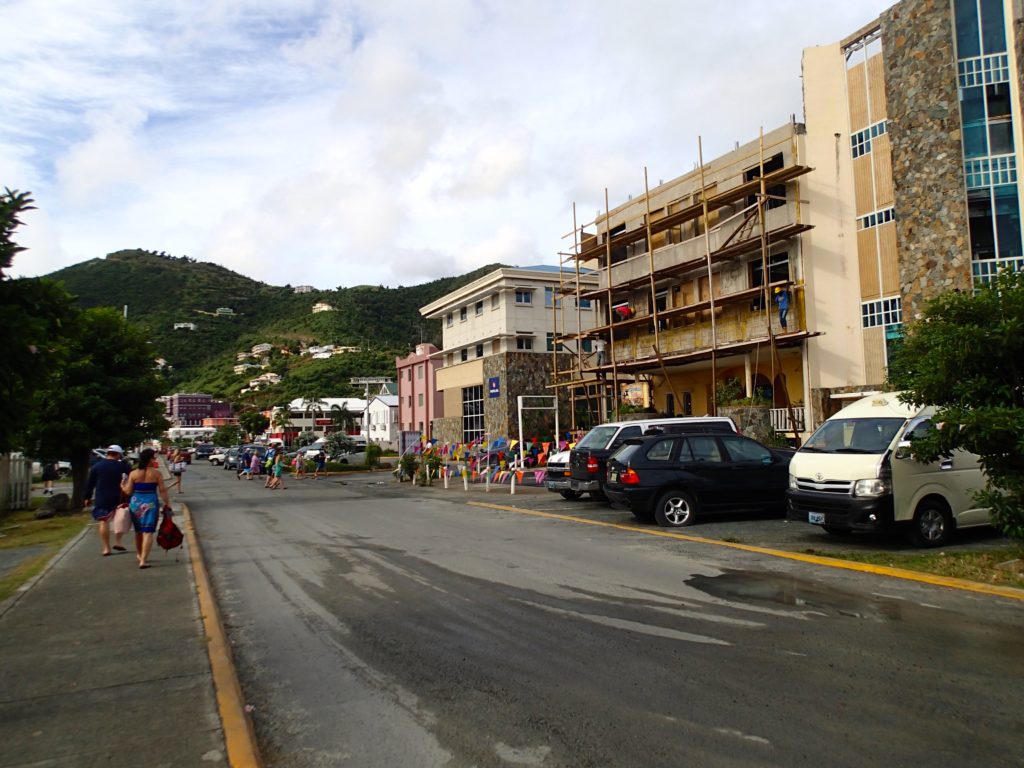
{"points": [[711, 281]]}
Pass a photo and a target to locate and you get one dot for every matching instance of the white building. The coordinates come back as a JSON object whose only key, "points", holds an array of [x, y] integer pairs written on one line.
{"points": [[322, 306], [318, 415], [302, 289], [244, 367], [265, 380], [262, 349], [185, 327], [383, 420], [225, 311]]}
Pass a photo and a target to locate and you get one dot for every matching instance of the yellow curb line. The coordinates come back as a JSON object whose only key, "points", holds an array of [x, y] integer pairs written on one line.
{"points": [[829, 562], [239, 737]]}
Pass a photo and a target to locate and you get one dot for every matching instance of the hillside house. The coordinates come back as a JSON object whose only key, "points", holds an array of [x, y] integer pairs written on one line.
{"points": [[322, 306], [225, 312], [185, 327], [302, 289], [262, 349]]}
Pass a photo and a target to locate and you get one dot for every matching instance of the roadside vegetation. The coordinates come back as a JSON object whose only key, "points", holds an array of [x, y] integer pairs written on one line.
{"points": [[41, 538]]}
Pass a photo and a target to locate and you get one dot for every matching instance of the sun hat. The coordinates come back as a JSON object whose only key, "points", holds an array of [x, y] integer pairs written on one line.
{"points": [[115, 449]]}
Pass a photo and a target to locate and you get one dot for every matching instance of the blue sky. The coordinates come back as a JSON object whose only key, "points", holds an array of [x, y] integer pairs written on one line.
{"points": [[341, 142]]}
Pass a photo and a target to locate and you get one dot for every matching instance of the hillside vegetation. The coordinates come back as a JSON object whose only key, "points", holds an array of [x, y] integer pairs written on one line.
{"points": [[161, 290]]}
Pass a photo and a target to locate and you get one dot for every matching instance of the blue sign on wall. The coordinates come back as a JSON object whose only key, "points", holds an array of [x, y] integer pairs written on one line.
{"points": [[493, 387]]}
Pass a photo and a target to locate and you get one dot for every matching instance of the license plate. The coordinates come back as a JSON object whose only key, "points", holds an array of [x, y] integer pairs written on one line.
{"points": [[613, 477], [817, 518]]}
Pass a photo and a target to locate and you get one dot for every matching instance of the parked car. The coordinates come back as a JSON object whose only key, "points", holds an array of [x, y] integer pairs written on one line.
{"points": [[857, 473], [203, 451], [232, 456], [218, 457], [558, 477], [677, 479], [588, 458]]}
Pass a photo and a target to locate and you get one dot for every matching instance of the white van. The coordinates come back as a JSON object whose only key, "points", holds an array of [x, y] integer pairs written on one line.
{"points": [[856, 473]]}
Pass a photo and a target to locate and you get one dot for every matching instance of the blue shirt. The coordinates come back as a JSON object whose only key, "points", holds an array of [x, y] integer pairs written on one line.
{"points": [[105, 479]]}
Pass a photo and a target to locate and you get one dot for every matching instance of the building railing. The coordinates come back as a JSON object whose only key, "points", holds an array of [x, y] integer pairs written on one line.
{"points": [[781, 421]]}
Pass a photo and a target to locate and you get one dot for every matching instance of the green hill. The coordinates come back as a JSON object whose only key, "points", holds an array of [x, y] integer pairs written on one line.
{"points": [[161, 290]]}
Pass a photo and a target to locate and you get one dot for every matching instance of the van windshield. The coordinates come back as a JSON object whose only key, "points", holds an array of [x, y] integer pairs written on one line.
{"points": [[839, 435], [598, 437]]}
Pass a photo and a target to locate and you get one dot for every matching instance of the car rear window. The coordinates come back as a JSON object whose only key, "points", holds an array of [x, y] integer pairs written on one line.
{"points": [[626, 453], [598, 437]]}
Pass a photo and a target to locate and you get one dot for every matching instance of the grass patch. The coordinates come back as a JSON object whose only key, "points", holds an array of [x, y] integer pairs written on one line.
{"points": [[972, 566], [21, 529]]}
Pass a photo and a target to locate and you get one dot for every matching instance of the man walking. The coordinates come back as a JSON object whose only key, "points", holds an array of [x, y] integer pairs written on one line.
{"points": [[105, 481]]}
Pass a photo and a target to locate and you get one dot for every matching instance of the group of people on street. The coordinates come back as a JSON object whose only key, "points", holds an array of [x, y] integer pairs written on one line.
{"points": [[111, 480]]}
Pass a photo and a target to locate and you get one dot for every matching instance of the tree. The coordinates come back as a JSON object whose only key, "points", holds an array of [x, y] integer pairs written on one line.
{"points": [[105, 392], [228, 434], [966, 358], [342, 417], [35, 315], [338, 443], [281, 419], [254, 423], [313, 404]]}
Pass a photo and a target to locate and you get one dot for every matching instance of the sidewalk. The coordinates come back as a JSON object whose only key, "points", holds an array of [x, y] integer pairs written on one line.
{"points": [[104, 664]]}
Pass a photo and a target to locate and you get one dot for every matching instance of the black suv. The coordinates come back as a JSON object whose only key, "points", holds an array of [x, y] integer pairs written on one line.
{"points": [[589, 456]]}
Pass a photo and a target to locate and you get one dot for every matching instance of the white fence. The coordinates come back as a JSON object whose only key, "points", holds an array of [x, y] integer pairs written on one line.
{"points": [[781, 421], [15, 481]]}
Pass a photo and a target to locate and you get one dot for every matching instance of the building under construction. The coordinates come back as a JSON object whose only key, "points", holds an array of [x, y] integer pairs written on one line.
{"points": [[702, 281]]}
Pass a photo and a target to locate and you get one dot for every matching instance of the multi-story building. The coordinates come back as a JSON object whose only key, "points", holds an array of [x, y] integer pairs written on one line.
{"points": [[419, 401], [499, 343], [190, 409], [901, 184], [382, 418], [921, 109]]}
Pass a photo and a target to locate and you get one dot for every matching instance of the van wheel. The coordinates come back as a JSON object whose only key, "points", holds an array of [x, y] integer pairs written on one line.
{"points": [[675, 509], [932, 525], [570, 495]]}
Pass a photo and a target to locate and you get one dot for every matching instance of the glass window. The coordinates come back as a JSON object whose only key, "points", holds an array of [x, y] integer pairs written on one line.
{"points": [[462, 315], [625, 433], [419, 399], [993, 27], [598, 437], [660, 450], [549, 297], [979, 209], [495, 301], [464, 355], [704, 448], [1008, 222], [745, 449], [972, 109], [478, 308], [588, 346], [864, 435], [524, 297], [968, 39], [524, 343], [479, 350], [449, 319], [583, 303], [472, 413], [419, 371]]}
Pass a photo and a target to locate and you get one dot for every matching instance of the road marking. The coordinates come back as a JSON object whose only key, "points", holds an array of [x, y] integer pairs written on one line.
{"points": [[239, 738], [828, 562]]}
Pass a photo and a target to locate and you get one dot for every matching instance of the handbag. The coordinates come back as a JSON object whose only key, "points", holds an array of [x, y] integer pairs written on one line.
{"points": [[122, 522], [169, 535]]}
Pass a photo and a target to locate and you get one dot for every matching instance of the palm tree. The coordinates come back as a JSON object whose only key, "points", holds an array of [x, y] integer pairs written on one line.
{"points": [[342, 416], [313, 404], [281, 419]]}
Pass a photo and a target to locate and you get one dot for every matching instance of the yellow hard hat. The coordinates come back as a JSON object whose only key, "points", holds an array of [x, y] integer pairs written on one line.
{"points": [[777, 289]]}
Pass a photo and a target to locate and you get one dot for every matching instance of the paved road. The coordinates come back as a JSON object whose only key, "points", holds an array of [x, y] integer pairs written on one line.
{"points": [[378, 628]]}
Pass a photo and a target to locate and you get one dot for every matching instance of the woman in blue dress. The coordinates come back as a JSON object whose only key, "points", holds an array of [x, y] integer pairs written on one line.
{"points": [[143, 485]]}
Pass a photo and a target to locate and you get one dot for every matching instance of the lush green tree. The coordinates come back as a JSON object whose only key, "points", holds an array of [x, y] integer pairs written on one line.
{"points": [[105, 392], [338, 443], [966, 357], [306, 437], [35, 315], [253, 422], [343, 418], [228, 435]]}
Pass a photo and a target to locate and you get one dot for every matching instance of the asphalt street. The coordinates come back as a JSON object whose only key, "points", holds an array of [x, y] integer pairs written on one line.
{"points": [[378, 626]]}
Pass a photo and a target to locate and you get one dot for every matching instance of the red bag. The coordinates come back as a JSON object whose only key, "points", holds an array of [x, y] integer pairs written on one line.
{"points": [[169, 536]]}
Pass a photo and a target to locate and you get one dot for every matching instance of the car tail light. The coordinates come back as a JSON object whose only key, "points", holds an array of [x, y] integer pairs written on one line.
{"points": [[629, 477], [592, 465]]}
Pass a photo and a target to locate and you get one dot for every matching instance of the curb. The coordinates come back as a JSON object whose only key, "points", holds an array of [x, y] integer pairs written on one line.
{"points": [[963, 585], [239, 736], [11, 601]]}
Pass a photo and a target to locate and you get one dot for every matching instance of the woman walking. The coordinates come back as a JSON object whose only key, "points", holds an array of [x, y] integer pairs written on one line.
{"points": [[177, 467], [277, 481], [142, 486]]}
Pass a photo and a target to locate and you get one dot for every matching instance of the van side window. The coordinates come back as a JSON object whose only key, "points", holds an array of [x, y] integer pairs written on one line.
{"points": [[704, 448], [920, 429]]}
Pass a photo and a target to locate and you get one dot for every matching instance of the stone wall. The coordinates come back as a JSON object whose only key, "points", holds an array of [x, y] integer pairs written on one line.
{"points": [[927, 167], [448, 429]]}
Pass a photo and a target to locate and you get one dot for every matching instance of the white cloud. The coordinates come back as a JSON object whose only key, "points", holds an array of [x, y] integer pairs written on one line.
{"points": [[340, 142]]}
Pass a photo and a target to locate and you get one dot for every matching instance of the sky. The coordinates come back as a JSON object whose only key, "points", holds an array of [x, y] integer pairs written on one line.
{"points": [[348, 142]]}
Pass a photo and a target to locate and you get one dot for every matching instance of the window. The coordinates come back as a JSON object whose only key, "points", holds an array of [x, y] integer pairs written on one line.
{"points": [[495, 301], [472, 413], [778, 271], [882, 312], [703, 448], [860, 142], [524, 343], [524, 296], [463, 355], [661, 450], [877, 218], [744, 449], [478, 308], [462, 315], [776, 193], [588, 345], [419, 371], [624, 434], [583, 303], [479, 350], [449, 319], [550, 341], [419, 399], [549, 298]]}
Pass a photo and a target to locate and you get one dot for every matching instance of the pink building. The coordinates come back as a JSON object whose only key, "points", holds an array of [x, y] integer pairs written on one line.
{"points": [[419, 402]]}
